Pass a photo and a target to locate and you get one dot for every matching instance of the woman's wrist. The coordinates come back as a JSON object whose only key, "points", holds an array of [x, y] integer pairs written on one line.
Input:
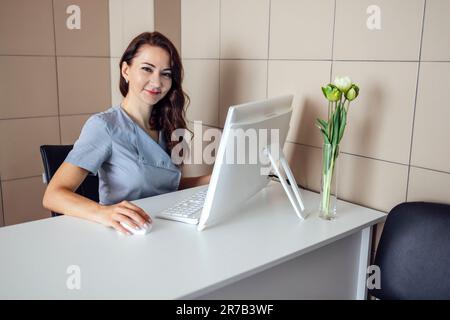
{"points": [[98, 213]]}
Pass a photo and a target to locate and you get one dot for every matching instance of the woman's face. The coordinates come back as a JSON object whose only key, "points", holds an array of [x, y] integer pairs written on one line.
{"points": [[149, 75]]}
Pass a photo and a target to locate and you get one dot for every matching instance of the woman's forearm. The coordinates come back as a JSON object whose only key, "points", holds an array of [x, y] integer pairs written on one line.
{"points": [[190, 182], [72, 204]]}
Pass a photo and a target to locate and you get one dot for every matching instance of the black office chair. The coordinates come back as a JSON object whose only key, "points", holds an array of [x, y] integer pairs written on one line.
{"points": [[414, 253], [53, 156]]}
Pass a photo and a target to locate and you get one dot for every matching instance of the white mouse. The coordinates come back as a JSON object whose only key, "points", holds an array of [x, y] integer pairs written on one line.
{"points": [[142, 231]]}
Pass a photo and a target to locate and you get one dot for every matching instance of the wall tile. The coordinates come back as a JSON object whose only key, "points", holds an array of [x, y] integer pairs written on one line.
{"points": [[296, 33], [167, 19], [138, 17], [372, 183], [71, 127], [244, 29], [427, 185], [92, 39], [436, 42], [304, 79], [380, 120], [397, 39], [305, 163], [431, 129], [201, 83], [116, 95], [84, 85], [26, 27], [202, 156], [127, 20], [19, 142], [28, 87], [116, 43], [16, 209], [240, 81], [200, 28]]}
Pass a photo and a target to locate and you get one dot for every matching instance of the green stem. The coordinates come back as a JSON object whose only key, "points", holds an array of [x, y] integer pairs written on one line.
{"points": [[329, 161]]}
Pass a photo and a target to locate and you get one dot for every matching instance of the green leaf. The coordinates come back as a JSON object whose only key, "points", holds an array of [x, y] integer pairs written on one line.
{"points": [[335, 126], [343, 124], [330, 129], [321, 124], [325, 138]]}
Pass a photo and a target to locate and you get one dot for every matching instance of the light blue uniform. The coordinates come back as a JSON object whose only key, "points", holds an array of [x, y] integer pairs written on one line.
{"points": [[130, 164]]}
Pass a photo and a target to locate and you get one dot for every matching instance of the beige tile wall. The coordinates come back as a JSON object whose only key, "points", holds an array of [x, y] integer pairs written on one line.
{"points": [[204, 104], [17, 209], [26, 27], [235, 51], [396, 144], [127, 20], [199, 150], [168, 20], [52, 79]]}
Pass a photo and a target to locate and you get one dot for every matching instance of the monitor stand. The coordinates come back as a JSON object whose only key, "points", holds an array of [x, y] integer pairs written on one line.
{"points": [[292, 191]]}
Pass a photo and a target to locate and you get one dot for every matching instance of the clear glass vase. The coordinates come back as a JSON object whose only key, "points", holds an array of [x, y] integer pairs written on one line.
{"points": [[328, 186]]}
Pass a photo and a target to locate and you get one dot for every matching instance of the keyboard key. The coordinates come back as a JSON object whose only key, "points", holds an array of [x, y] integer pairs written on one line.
{"points": [[188, 207]]}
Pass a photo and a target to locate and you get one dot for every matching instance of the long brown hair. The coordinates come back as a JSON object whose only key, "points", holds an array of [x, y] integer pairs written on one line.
{"points": [[169, 113]]}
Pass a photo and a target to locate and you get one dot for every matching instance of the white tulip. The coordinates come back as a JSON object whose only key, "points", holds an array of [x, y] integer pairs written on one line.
{"points": [[343, 83]]}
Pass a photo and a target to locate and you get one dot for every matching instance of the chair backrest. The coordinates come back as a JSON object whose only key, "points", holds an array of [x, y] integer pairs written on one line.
{"points": [[414, 252], [53, 156]]}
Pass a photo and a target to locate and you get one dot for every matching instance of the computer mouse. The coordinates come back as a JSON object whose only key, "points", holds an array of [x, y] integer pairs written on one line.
{"points": [[142, 231]]}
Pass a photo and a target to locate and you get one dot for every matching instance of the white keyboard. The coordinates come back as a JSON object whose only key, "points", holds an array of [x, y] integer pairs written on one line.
{"points": [[187, 210]]}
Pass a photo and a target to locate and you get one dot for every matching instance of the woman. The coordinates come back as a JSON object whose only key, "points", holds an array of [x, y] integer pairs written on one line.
{"points": [[129, 146]]}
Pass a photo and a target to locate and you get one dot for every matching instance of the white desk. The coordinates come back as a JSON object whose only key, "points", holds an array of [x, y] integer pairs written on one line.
{"points": [[265, 252]]}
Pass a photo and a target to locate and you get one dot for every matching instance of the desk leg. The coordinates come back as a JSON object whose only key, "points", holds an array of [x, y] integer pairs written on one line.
{"points": [[364, 260]]}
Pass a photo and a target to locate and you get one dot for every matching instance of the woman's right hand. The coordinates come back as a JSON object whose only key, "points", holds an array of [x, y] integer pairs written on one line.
{"points": [[124, 212]]}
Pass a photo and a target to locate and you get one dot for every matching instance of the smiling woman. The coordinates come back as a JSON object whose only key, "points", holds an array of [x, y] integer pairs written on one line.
{"points": [[129, 145], [151, 74]]}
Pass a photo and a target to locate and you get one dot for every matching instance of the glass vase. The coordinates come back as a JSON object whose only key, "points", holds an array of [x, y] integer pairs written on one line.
{"points": [[328, 186]]}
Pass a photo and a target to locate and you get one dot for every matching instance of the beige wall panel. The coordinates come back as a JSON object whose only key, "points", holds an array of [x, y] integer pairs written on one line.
{"points": [[436, 40], [379, 122], [241, 81], [303, 79], [20, 141], [84, 85], [301, 29], [200, 28], [357, 36], [244, 29], [431, 139], [306, 164], [372, 183], [16, 209], [28, 87], [168, 20], [427, 185], [71, 127], [201, 83], [138, 17], [88, 38], [26, 27]]}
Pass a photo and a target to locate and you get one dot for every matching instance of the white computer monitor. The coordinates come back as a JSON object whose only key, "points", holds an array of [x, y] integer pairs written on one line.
{"points": [[236, 178]]}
